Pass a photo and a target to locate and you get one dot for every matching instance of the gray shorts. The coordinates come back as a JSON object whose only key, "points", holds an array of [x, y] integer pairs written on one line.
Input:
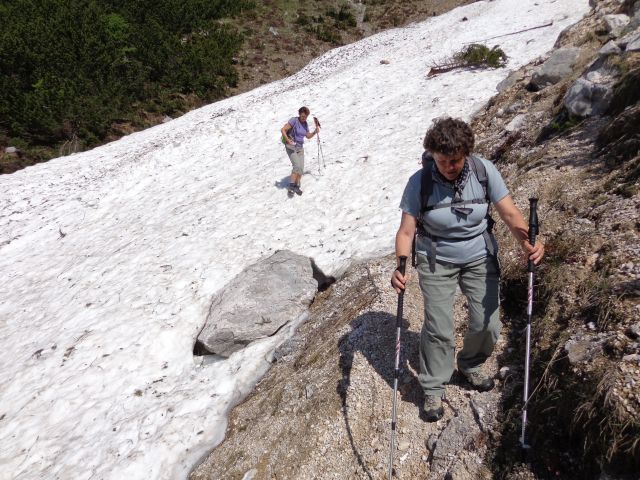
{"points": [[296, 155]]}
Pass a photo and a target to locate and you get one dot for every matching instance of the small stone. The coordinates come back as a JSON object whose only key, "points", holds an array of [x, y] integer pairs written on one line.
{"points": [[309, 390], [591, 326], [431, 442], [404, 445], [634, 330], [634, 357], [502, 374], [250, 475], [11, 150], [514, 107], [385, 62], [517, 123]]}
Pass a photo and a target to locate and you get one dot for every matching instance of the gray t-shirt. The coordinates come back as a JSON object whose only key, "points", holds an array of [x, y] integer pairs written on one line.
{"points": [[459, 238]]}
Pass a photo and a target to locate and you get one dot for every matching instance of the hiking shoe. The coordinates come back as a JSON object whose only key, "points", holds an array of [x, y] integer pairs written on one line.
{"points": [[433, 410], [296, 188], [479, 380]]}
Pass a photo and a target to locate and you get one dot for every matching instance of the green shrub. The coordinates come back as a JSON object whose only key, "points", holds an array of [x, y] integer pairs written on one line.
{"points": [[343, 17], [477, 55], [70, 69]]}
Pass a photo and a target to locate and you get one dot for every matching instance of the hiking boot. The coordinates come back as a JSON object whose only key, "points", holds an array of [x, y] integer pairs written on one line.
{"points": [[296, 188], [479, 380], [433, 410]]}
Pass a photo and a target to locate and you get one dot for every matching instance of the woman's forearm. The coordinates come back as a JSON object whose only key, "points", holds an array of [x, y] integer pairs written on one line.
{"points": [[404, 241]]}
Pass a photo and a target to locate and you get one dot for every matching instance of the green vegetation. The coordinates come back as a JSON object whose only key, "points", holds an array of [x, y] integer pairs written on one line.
{"points": [[327, 30], [70, 70], [474, 55], [477, 55], [560, 124]]}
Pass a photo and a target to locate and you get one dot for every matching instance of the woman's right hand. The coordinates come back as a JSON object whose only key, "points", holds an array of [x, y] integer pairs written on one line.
{"points": [[399, 281]]}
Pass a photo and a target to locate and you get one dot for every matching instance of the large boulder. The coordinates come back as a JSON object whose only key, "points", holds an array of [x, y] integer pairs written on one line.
{"points": [[557, 67], [615, 23], [591, 94], [258, 302]]}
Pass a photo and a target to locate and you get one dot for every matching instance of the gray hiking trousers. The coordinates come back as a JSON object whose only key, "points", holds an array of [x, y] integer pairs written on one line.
{"points": [[296, 156], [479, 282]]}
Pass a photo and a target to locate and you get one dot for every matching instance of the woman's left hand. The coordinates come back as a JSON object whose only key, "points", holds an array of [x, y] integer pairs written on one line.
{"points": [[534, 253]]}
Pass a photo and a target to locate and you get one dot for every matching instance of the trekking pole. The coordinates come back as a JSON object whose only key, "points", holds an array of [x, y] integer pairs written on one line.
{"points": [[320, 152], [319, 169], [396, 372], [533, 231]]}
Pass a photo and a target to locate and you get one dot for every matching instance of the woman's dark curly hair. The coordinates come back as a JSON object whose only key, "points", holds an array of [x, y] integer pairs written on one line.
{"points": [[449, 136]]}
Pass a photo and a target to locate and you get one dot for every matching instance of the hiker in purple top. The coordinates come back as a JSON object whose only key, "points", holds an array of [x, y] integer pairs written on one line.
{"points": [[293, 134]]}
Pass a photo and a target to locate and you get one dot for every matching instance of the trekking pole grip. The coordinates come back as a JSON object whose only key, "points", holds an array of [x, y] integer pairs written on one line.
{"points": [[403, 264], [533, 227]]}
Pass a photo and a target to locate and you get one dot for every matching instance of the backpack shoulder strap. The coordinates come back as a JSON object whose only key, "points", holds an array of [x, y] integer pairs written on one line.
{"points": [[480, 172], [426, 183]]}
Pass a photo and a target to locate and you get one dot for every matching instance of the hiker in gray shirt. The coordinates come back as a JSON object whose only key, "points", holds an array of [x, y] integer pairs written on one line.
{"points": [[449, 211]]}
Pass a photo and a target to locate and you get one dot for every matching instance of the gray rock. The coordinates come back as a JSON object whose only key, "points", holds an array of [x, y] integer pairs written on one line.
{"points": [[582, 349], [459, 432], [483, 409], [557, 67], [468, 467], [11, 150], [250, 475], [634, 43], [633, 331], [504, 371], [273, 31], [512, 79], [634, 357], [309, 391], [431, 442], [166, 119], [586, 98], [610, 48], [513, 108], [516, 123], [615, 23], [404, 445], [632, 37], [258, 302]]}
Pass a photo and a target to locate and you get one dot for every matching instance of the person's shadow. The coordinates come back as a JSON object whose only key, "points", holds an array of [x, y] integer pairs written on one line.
{"points": [[374, 335], [284, 183]]}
